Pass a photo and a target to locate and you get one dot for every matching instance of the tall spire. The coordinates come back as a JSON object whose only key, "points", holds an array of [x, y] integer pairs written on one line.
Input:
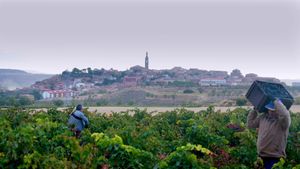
{"points": [[147, 61]]}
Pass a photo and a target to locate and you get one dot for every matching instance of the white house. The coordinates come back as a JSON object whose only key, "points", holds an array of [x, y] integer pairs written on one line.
{"points": [[46, 94], [80, 85], [50, 94]]}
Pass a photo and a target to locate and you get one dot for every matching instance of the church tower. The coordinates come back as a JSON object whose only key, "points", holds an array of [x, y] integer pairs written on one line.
{"points": [[147, 61]]}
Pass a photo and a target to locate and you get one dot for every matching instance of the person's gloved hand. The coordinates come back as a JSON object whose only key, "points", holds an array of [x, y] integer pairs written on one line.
{"points": [[277, 101]]}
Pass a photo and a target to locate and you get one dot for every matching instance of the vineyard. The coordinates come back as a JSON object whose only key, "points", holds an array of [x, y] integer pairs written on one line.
{"points": [[173, 139]]}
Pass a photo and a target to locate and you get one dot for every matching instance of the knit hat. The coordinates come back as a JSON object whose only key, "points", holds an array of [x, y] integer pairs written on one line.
{"points": [[79, 107]]}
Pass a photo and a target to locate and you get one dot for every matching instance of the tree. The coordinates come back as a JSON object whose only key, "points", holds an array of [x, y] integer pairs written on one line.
{"points": [[58, 103], [3, 101], [65, 74], [130, 103], [188, 91], [98, 72], [241, 101], [23, 101], [108, 82], [200, 90], [12, 101], [37, 95], [90, 71], [102, 102], [76, 72]]}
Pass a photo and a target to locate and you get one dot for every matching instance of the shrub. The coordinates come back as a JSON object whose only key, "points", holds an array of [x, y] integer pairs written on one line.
{"points": [[188, 91], [58, 103], [241, 101]]}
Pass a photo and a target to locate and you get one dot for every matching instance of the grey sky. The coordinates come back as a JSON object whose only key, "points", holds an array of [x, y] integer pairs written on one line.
{"points": [[50, 36]]}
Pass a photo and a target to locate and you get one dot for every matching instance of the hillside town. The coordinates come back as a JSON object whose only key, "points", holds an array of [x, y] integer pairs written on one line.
{"points": [[75, 82]]}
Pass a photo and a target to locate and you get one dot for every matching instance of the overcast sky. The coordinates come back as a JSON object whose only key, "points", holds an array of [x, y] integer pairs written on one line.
{"points": [[49, 36]]}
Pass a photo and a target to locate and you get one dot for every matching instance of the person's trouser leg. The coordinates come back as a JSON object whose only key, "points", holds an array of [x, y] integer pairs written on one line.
{"points": [[269, 162], [77, 133]]}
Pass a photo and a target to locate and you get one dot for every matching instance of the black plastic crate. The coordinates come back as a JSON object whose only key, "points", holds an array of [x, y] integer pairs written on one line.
{"points": [[261, 93]]}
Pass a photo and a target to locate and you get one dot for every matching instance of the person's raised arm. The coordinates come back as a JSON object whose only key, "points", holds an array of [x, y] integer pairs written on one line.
{"points": [[252, 120], [283, 114]]}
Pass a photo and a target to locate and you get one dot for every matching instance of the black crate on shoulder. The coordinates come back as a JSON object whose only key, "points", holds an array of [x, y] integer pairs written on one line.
{"points": [[261, 93]]}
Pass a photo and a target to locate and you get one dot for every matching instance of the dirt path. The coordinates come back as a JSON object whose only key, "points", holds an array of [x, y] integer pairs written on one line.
{"points": [[164, 109], [295, 109]]}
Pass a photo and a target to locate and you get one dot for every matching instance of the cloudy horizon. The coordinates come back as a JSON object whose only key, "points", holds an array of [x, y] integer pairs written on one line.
{"points": [[261, 37]]}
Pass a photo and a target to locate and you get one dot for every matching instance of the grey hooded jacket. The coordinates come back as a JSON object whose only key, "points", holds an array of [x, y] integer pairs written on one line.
{"points": [[79, 124], [272, 131]]}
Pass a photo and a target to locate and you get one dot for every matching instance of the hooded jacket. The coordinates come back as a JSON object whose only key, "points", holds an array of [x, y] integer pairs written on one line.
{"points": [[79, 124], [272, 130]]}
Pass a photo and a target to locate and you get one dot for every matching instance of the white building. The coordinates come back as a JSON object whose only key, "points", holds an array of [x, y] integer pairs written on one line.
{"points": [[51, 94], [46, 94], [80, 85]]}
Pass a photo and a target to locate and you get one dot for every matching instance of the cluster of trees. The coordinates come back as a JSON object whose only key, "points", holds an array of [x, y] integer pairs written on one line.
{"points": [[114, 76], [19, 97], [15, 101], [241, 101], [77, 73]]}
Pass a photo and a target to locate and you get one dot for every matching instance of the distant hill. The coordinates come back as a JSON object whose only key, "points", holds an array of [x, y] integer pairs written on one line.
{"points": [[290, 81], [12, 79]]}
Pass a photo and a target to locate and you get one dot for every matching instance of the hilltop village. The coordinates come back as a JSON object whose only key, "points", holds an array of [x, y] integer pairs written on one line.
{"points": [[76, 82]]}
